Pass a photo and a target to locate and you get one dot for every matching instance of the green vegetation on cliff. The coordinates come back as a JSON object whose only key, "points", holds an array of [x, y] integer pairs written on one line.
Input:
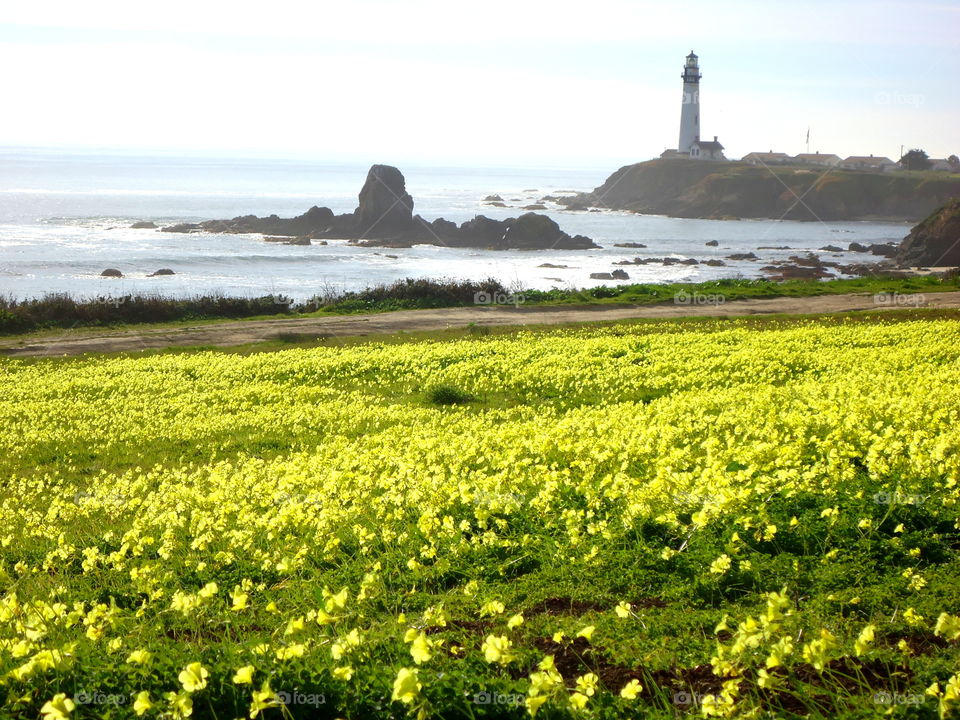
{"points": [[683, 188]]}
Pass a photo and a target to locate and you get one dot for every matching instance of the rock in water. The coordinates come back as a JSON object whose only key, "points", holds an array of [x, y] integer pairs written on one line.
{"points": [[144, 225], [161, 271], [385, 219], [385, 206], [111, 272], [935, 241]]}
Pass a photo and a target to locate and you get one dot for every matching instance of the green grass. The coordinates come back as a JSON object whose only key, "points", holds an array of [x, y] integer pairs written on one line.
{"points": [[438, 295]]}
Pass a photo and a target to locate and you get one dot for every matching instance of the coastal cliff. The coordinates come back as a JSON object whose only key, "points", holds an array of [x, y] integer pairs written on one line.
{"points": [[935, 241], [691, 189]]}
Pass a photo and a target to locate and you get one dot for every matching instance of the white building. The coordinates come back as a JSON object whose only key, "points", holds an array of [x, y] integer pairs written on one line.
{"points": [[868, 162], [766, 158], [825, 159]]}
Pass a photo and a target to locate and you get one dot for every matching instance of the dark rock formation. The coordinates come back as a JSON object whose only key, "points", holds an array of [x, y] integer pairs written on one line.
{"points": [[143, 225], [714, 263], [711, 243], [601, 276], [885, 249], [384, 218], [161, 271], [831, 248], [620, 275], [742, 256], [493, 198], [111, 272], [857, 247], [935, 242], [659, 261], [534, 206], [299, 240], [804, 267], [385, 206], [634, 245]]}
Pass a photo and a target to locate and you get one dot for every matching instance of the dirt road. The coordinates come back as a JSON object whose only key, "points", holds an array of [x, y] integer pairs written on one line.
{"points": [[241, 332]]}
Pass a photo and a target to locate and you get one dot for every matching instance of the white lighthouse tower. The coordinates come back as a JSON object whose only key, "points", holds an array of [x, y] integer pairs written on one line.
{"points": [[690, 112], [691, 147]]}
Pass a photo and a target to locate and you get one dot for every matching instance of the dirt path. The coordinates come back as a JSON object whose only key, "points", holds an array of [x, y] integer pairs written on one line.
{"points": [[230, 333]]}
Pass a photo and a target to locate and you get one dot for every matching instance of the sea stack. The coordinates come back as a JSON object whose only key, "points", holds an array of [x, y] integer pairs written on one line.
{"points": [[385, 208]]}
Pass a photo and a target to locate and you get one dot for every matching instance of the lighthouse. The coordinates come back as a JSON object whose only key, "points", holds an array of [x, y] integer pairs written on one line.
{"points": [[690, 111], [690, 146]]}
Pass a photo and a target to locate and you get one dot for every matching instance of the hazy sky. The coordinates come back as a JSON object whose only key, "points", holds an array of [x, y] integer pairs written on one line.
{"points": [[551, 83]]}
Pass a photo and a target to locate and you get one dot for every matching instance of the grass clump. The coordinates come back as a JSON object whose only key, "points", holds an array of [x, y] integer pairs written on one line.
{"points": [[448, 395]]}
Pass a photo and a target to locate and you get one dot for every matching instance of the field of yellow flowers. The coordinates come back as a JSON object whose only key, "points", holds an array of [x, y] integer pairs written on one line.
{"points": [[620, 522]]}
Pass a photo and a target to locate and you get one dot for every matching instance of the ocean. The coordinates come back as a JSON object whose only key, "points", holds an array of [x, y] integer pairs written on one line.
{"points": [[65, 216]]}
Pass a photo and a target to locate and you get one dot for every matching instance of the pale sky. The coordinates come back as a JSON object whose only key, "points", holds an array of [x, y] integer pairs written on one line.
{"points": [[553, 83]]}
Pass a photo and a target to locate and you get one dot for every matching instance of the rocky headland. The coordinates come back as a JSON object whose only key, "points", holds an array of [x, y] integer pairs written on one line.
{"points": [[384, 218], [728, 191]]}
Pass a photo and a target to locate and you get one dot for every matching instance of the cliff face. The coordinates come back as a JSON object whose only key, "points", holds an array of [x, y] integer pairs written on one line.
{"points": [[935, 241], [685, 188]]}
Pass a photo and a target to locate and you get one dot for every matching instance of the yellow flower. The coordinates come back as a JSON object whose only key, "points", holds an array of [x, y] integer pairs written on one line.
{"points": [[420, 649], [631, 690], [181, 704], [766, 680], [912, 617], [406, 686], [587, 684], [533, 704], [263, 699], [58, 708], [721, 564], [208, 590], [336, 602], [343, 673], [142, 702], [240, 600], [779, 651], [193, 677], [139, 657], [587, 632], [579, 700], [296, 650], [862, 644], [497, 649], [817, 652], [515, 621], [494, 607], [948, 626], [623, 609], [244, 675]]}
